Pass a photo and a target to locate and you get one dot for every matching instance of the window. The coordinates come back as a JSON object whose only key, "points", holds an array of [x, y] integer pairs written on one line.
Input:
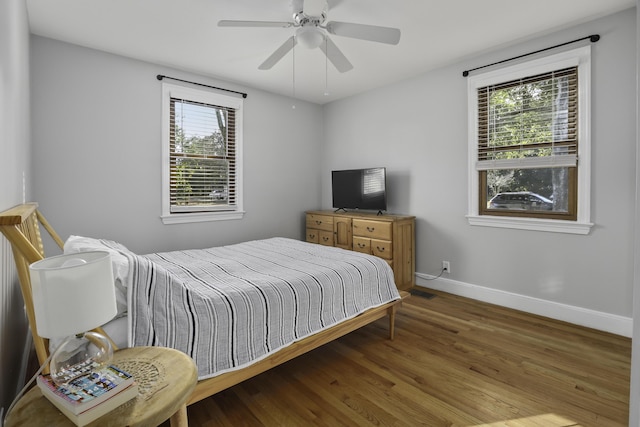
{"points": [[202, 162], [529, 145]]}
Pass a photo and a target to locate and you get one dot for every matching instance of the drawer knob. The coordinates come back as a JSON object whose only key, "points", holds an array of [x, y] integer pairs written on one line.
{"points": [[361, 245], [370, 229], [325, 238], [318, 222], [380, 249], [313, 236]]}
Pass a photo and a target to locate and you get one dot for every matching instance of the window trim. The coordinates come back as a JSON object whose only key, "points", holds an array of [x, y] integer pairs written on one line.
{"points": [[171, 90], [580, 57]]}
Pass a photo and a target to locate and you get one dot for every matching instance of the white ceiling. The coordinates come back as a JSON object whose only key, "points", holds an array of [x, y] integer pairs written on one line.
{"points": [[184, 34]]}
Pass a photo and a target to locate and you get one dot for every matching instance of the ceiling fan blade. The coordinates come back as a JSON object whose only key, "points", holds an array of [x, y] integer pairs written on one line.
{"points": [[336, 56], [274, 24], [278, 54], [314, 7], [372, 33]]}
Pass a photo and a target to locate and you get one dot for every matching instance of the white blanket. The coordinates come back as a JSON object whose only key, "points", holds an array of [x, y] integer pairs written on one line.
{"points": [[230, 306]]}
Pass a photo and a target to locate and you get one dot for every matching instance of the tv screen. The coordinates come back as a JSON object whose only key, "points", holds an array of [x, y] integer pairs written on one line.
{"points": [[359, 189]]}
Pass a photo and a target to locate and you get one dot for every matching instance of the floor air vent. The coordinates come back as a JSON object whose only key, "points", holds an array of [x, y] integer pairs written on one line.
{"points": [[423, 294]]}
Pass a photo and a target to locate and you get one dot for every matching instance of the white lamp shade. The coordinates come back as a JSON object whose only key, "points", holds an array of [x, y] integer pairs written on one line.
{"points": [[72, 293]]}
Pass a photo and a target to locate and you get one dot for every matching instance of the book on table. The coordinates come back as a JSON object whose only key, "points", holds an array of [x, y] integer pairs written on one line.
{"points": [[90, 396]]}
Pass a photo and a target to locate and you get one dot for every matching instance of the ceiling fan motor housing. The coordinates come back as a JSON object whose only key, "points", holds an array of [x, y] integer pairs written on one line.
{"points": [[302, 20], [310, 9]]}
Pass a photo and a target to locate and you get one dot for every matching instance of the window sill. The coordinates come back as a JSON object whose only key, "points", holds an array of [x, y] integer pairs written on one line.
{"points": [[201, 217], [534, 224]]}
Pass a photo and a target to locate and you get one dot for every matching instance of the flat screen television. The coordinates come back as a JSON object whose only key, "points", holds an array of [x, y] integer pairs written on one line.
{"points": [[359, 189]]}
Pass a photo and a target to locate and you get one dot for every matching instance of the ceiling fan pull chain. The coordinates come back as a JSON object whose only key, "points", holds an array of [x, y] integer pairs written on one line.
{"points": [[293, 74], [326, 69]]}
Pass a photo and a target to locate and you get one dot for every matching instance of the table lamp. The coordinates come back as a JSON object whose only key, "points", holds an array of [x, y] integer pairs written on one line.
{"points": [[73, 294]]}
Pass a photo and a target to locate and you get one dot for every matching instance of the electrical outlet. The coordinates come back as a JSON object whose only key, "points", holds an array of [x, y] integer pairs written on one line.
{"points": [[446, 267]]}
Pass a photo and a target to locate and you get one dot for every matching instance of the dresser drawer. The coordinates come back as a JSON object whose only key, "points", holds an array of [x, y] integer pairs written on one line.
{"points": [[313, 235], [320, 222], [325, 238], [382, 248], [361, 244], [372, 229]]}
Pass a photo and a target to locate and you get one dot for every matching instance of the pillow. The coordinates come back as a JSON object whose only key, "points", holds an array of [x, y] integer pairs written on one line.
{"points": [[120, 263]]}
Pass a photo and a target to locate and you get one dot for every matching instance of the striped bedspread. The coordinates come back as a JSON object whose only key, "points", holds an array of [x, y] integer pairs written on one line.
{"points": [[230, 306]]}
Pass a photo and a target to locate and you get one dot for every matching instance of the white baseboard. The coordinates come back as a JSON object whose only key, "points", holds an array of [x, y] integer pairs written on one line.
{"points": [[612, 323]]}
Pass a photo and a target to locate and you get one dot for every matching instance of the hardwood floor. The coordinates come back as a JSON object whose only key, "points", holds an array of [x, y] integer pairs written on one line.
{"points": [[454, 362]]}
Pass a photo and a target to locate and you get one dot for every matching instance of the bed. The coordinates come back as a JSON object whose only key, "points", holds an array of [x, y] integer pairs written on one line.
{"points": [[285, 297]]}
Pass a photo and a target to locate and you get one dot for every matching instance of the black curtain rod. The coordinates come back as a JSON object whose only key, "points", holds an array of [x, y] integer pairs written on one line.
{"points": [[594, 38], [160, 77]]}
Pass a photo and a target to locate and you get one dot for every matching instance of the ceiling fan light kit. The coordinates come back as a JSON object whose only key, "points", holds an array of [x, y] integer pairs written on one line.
{"points": [[309, 17], [310, 37]]}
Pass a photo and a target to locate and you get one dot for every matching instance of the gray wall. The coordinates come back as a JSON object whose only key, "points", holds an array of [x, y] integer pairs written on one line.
{"points": [[634, 398], [14, 164], [418, 130], [97, 148]]}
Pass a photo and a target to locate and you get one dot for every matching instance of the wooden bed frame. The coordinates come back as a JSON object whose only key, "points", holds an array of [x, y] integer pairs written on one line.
{"points": [[21, 226]]}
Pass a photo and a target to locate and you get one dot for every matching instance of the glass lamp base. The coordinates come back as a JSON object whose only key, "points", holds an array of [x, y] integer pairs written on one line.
{"points": [[79, 355]]}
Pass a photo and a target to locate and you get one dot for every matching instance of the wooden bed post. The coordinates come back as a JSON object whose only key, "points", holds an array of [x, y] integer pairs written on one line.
{"points": [[392, 321], [392, 314]]}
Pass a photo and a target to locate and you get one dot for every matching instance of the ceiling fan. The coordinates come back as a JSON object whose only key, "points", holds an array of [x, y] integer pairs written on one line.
{"points": [[309, 17]]}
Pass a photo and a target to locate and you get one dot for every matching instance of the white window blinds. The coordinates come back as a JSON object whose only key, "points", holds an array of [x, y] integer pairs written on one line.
{"points": [[202, 156], [529, 123]]}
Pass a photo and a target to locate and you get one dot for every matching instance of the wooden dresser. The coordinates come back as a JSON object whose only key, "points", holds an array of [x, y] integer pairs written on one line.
{"points": [[391, 237]]}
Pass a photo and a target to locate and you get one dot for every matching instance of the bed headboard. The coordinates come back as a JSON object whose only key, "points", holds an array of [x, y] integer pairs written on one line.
{"points": [[21, 225]]}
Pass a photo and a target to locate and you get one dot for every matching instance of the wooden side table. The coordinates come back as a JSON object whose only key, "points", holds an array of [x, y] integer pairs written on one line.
{"points": [[166, 378]]}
